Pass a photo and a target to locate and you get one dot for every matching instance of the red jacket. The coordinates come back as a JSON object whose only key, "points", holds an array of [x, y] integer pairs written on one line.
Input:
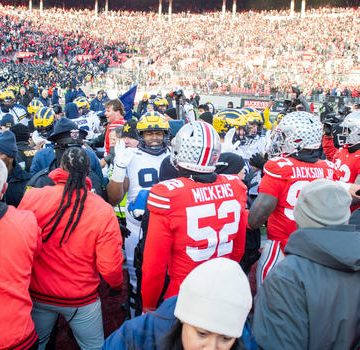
{"points": [[107, 132], [69, 275], [20, 240]]}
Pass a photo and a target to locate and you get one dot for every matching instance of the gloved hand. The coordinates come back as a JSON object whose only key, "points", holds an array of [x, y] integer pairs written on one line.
{"points": [[123, 157], [257, 160], [228, 145], [137, 207], [327, 129]]}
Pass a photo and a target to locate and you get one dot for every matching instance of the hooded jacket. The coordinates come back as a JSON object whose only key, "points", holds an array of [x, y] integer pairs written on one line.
{"points": [[69, 275], [311, 300], [147, 332], [20, 240]]}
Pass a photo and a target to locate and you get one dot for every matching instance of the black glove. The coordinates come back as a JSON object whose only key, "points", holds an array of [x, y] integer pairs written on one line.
{"points": [[125, 232], [257, 160], [327, 129]]}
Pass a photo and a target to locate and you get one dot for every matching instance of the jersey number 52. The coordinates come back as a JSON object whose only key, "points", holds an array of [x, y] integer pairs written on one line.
{"points": [[217, 241]]}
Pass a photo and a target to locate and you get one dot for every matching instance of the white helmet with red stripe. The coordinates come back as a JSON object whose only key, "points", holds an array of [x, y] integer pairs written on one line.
{"points": [[196, 147]]}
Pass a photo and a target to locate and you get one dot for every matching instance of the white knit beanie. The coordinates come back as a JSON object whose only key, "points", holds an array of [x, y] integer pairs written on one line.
{"points": [[215, 296], [322, 203]]}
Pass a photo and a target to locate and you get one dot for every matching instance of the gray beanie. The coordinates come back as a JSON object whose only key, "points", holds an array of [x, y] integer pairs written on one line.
{"points": [[215, 296], [322, 203]]}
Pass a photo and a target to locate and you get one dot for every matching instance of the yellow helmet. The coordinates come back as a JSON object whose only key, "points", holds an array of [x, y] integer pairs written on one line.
{"points": [[252, 115], [227, 119], [82, 102], [152, 121], [34, 106], [160, 101], [7, 94], [44, 118]]}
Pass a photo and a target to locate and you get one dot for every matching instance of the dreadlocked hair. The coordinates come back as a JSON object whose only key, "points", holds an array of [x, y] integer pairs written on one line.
{"points": [[76, 162]]}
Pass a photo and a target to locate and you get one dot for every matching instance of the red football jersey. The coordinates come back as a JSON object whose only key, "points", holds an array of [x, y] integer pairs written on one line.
{"points": [[348, 164], [283, 179], [190, 222]]}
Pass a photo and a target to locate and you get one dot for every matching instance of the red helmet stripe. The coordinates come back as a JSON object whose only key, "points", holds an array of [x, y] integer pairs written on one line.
{"points": [[208, 144]]}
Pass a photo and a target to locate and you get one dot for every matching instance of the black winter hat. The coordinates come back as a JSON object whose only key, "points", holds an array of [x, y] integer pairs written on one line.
{"points": [[129, 129], [229, 163], [206, 117], [8, 144], [63, 129], [21, 132]]}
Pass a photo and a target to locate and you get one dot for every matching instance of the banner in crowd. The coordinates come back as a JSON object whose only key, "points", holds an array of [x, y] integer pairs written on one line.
{"points": [[128, 101], [24, 54]]}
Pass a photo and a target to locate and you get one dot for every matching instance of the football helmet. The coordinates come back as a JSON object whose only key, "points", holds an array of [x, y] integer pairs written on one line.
{"points": [[351, 128], [83, 103], [153, 121], [161, 104], [227, 119], [196, 147], [295, 132], [34, 106], [7, 98], [44, 121]]}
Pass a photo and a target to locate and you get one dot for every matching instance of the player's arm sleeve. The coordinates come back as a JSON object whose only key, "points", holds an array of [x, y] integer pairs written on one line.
{"points": [[109, 258], [328, 147], [156, 255], [280, 305], [240, 239], [267, 122]]}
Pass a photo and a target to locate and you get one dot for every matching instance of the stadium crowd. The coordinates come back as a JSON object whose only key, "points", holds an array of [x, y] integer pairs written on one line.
{"points": [[256, 52], [200, 228]]}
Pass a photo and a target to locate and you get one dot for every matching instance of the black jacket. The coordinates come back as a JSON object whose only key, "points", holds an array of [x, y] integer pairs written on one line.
{"points": [[17, 180]]}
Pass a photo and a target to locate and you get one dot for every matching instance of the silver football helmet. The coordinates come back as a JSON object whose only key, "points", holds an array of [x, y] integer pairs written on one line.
{"points": [[295, 132], [351, 128], [196, 147]]}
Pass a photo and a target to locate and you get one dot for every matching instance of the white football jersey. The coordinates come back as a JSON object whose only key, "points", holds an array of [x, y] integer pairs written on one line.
{"points": [[19, 114], [143, 171], [89, 122]]}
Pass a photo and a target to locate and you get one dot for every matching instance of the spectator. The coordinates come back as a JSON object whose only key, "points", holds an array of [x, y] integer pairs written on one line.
{"points": [[17, 177], [25, 151], [318, 280], [97, 104], [210, 311], [142, 106], [20, 243], [7, 122], [75, 250], [44, 98], [23, 98], [114, 112]]}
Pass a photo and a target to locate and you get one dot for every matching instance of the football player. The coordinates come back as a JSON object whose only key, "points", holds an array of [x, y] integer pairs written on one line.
{"points": [[135, 172], [194, 218], [8, 105], [295, 143], [88, 120], [346, 158]]}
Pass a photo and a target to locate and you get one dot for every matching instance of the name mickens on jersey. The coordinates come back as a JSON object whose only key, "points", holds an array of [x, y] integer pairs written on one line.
{"points": [[204, 194]]}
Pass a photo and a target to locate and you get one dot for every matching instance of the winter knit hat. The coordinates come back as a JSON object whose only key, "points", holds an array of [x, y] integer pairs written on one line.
{"points": [[206, 117], [322, 203], [21, 132], [8, 144], [215, 296], [7, 120], [129, 129]]}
